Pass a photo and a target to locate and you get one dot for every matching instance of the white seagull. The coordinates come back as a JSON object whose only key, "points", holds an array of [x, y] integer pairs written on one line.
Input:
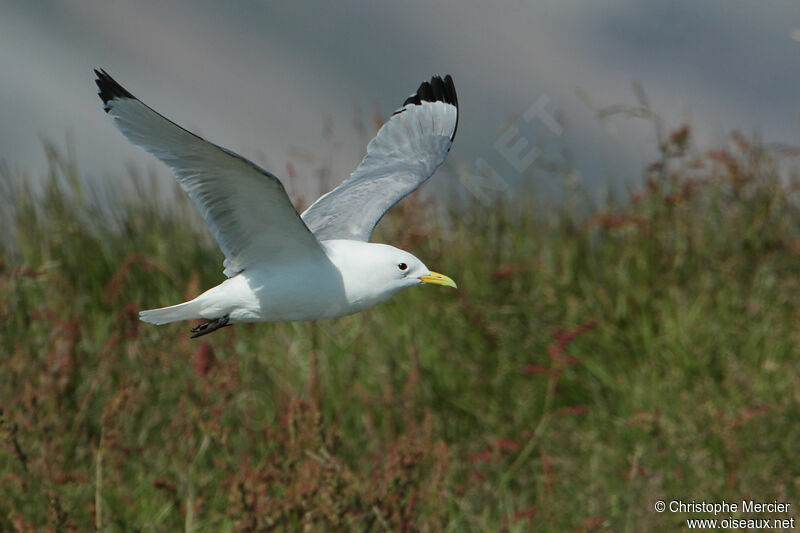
{"points": [[281, 265]]}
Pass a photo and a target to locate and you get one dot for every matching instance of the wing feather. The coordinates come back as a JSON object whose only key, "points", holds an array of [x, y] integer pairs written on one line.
{"points": [[406, 151], [245, 207]]}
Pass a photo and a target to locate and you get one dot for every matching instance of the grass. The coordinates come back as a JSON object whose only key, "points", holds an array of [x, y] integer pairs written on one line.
{"points": [[587, 367]]}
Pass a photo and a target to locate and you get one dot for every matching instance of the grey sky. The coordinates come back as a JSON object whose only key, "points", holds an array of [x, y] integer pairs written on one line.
{"points": [[263, 79]]}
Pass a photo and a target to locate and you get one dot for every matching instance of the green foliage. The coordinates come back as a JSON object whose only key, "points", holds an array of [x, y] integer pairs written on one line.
{"points": [[586, 367]]}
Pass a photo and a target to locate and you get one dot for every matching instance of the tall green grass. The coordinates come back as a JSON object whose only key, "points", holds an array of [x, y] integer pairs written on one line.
{"points": [[587, 367]]}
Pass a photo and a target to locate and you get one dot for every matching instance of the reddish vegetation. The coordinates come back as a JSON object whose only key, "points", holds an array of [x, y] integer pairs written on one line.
{"points": [[556, 351], [203, 359], [572, 410], [615, 221], [434, 412], [504, 272], [494, 450]]}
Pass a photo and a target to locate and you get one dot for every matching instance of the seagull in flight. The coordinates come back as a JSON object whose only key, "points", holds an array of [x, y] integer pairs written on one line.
{"points": [[281, 265]]}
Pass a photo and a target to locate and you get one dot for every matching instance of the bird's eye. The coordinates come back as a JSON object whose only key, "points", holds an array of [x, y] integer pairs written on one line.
{"points": [[402, 266]]}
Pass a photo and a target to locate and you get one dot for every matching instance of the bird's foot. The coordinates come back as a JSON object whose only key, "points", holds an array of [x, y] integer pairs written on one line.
{"points": [[211, 326]]}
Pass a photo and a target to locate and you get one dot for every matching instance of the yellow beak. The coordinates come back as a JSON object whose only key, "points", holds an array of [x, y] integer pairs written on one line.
{"points": [[438, 279]]}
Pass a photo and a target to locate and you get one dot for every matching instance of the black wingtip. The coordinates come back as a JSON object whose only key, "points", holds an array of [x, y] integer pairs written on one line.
{"points": [[109, 88], [436, 90]]}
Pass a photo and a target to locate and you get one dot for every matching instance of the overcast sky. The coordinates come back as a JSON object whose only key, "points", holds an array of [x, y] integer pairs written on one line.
{"points": [[267, 80]]}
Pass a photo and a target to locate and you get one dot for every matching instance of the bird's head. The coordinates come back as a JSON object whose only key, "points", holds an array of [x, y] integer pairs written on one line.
{"points": [[373, 272]]}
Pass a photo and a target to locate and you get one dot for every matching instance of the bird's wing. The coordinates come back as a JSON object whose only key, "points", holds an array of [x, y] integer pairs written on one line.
{"points": [[246, 208], [405, 152]]}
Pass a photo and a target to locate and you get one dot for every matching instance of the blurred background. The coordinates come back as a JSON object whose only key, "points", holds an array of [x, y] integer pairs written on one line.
{"points": [[626, 241], [284, 83]]}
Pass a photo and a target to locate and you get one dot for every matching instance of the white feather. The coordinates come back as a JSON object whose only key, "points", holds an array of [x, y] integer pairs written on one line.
{"points": [[278, 269], [406, 151], [246, 208]]}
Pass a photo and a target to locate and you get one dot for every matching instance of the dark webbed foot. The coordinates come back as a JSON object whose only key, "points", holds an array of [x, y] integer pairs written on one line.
{"points": [[210, 326]]}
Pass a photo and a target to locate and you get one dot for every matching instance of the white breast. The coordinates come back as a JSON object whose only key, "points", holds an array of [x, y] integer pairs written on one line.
{"points": [[342, 285]]}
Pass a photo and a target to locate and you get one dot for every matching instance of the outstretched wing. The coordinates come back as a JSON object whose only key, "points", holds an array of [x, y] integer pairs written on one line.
{"points": [[246, 208], [405, 152]]}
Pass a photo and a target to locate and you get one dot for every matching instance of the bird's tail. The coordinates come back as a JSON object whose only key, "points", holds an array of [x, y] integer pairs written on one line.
{"points": [[173, 313]]}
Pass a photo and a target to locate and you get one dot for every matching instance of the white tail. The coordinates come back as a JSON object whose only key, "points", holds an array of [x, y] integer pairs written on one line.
{"points": [[173, 313]]}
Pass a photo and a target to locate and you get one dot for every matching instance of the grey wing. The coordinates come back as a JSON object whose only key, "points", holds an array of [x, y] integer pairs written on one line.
{"points": [[245, 207], [406, 151]]}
